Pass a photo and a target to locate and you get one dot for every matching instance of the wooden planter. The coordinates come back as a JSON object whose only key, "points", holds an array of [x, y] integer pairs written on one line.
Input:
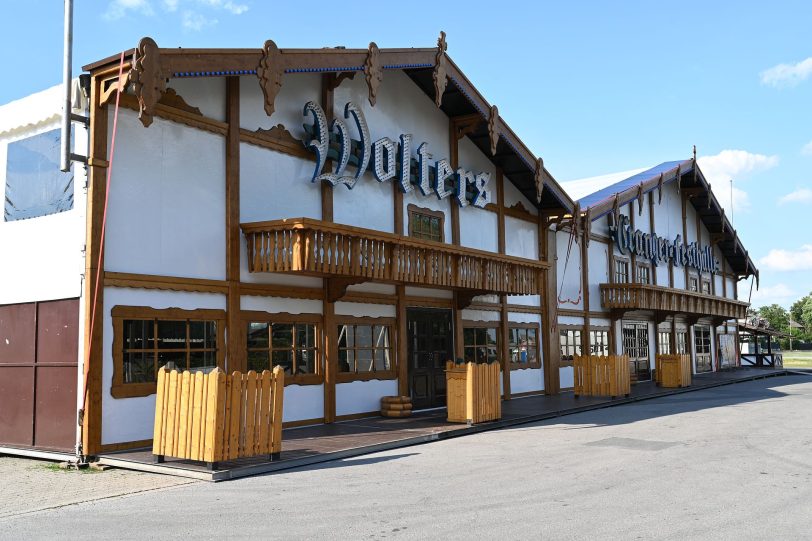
{"points": [[673, 370], [472, 392], [214, 417], [601, 375]]}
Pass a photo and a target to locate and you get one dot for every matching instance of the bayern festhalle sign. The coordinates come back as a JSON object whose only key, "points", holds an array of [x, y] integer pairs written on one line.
{"points": [[659, 249], [388, 160]]}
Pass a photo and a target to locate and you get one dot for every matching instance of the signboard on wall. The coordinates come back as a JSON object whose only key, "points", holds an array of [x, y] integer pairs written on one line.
{"points": [[659, 249], [387, 160]]}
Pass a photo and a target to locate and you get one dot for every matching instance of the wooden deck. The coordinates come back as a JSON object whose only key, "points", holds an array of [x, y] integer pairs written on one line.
{"points": [[322, 443]]}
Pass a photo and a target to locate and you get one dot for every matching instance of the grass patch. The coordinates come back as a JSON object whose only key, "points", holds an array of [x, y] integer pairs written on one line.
{"points": [[798, 359], [54, 467]]}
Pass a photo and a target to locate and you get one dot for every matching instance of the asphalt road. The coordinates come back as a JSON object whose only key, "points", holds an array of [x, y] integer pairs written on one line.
{"points": [[733, 462]]}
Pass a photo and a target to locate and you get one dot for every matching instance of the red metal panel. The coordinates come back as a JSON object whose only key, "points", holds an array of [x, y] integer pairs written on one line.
{"points": [[17, 333], [58, 332], [16, 405], [55, 408]]}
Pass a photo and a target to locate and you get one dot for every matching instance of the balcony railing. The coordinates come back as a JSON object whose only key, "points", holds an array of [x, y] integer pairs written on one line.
{"points": [[307, 246], [625, 297]]}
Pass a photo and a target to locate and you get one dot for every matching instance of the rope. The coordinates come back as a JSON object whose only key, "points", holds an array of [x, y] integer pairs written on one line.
{"points": [[751, 289], [577, 301], [103, 228]]}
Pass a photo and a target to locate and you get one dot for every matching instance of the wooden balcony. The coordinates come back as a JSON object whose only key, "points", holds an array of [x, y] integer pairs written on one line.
{"points": [[622, 298], [313, 247]]}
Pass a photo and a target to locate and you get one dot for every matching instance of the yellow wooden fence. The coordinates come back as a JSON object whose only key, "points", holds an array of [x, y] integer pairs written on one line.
{"points": [[216, 416], [472, 392], [673, 370], [601, 375]]}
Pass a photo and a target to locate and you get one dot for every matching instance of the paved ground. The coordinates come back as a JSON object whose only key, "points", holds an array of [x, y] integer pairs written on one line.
{"points": [[728, 463]]}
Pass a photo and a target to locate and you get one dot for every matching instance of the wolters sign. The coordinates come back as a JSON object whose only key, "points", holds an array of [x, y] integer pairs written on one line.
{"points": [[658, 249], [387, 160]]}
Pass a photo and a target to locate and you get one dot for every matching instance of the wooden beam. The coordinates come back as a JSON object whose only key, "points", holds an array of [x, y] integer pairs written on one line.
{"points": [[93, 339], [328, 308], [549, 317], [503, 319], [235, 346]]}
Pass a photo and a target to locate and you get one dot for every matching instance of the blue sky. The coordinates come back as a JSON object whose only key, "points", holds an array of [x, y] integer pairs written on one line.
{"points": [[592, 87]]}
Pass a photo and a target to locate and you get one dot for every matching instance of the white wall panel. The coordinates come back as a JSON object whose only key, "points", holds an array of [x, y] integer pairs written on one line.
{"points": [[521, 238], [166, 213], [359, 309], [598, 254], [297, 89], [527, 380], [569, 280], [206, 93], [566, 377], [280, 305], [513, 196], [479, 229], [363, 396], [303, 402], [480, 315]]}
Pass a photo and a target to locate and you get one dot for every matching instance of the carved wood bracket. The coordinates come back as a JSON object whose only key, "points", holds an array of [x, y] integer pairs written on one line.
{"points": [[466, 297], [440, 71], [493, 130], [373, 72], [336, 81], [172, 99], [148, 83], [336, 288], [463, 125], [539, 176], [270, 73], [660, 189], [640, 200], [587, 226]]}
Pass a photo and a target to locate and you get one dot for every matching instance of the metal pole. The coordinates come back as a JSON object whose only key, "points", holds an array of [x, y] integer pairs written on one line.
{"points": [[65, 157]]}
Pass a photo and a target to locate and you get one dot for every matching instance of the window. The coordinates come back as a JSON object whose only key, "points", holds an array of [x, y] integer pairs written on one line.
{"points": [[425, 223], [570, 340], [365, 350], [635, 345], [643, 274], [693, 283], [682, 342], [621, 271], [599, 342], [145, 339], [291, 344], [702, 343], [480, 344], [523, 346], [664, 343], [34, 184], [706, 287]]}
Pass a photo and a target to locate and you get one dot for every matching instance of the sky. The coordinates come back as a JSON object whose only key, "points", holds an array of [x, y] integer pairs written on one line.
{"points": [[591, 87]]}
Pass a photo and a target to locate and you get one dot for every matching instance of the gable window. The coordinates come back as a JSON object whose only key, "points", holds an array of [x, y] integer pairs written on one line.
{"points": [[621, 271], [34, 184], [706, 287], [643, 274], [145, 339], [425, 223], [291, 342], [570, 342], [523, 346], [693, 283], [480, 343], [365, 349]]}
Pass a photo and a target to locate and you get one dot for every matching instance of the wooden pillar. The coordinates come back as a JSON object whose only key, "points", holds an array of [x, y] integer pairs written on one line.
{"points": [[632, 254], [456, 313], [652, 231], [235, 345], [328, 308], [504, 332], [585, 338], [402, 343], [96, 191], [549, 314], [684, 232]]}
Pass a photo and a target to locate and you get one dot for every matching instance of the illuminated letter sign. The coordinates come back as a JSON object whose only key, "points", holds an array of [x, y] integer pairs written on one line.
{"points": [[387, 160]]}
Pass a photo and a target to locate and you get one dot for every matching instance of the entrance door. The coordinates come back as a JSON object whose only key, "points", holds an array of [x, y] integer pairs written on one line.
{"points": [[702, 344], [431, 344], [635, 345]]}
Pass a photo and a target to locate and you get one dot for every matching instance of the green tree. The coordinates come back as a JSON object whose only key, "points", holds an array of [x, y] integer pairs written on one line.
{"points": [[797, 309], [777, 315], [806, 313]]}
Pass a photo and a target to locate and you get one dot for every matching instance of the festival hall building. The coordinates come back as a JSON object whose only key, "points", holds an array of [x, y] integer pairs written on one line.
{"points": [[655, 271], [357, 216]]}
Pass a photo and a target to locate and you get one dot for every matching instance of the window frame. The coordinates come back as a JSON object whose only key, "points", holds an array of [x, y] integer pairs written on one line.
{"points": [[119, 314], [251, 316], [577, 344], [413, 210], [522, 366], [593, 333], [496, 325], [392, 373], [693, 276], [640, 267], [702, 283], [625, 261]]}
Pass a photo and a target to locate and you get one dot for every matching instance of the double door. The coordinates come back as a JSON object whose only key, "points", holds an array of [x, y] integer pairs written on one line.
{"points": [[636, 346], [430, 337]]}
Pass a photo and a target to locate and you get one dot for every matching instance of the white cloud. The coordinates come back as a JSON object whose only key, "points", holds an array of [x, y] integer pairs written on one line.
{"points": [[806, 150], [119, 8], [778, 294], [801, 195], [232, 7], [171, 5], [196, 22], [788, 260], [736, 165], [786, 75]]}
